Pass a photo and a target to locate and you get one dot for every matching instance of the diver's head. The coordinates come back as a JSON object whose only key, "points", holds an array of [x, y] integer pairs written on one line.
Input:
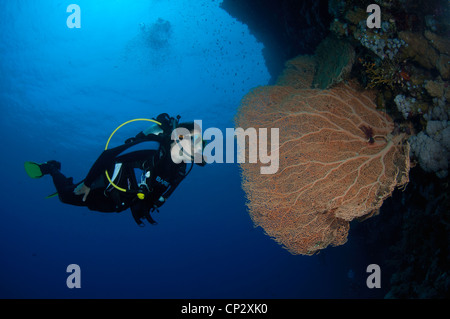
{"points": [[187, 144]]}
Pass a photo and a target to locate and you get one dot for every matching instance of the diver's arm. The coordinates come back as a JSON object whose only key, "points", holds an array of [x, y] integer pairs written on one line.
{"points": [[105, 160]]}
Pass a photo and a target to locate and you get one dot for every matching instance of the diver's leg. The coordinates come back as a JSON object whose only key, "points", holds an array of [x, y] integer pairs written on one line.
{"points": [[96, 200], [64, 186]]}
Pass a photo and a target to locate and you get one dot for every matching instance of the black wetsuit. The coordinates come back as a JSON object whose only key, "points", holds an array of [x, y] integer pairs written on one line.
{"points": [[139, 156]]}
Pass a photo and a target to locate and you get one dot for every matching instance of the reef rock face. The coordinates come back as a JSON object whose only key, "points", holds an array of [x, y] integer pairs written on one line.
{"points": [[419, 49], [338, 161], [286, 27]]}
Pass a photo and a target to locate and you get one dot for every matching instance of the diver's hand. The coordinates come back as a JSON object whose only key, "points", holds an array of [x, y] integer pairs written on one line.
{"points": [[82, 189]]}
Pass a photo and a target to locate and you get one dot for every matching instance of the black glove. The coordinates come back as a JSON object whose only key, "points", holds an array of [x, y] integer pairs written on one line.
{"points": [[139, 214]]}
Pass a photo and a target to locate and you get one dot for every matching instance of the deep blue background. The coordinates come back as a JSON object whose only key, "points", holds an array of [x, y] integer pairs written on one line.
{"points": [[63, 91]]}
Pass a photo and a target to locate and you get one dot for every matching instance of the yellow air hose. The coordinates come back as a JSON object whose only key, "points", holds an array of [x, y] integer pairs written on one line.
{"points": [[106, 147]]}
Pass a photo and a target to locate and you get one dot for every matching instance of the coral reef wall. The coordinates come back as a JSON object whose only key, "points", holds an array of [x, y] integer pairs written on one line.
{"points": [[407, 59], [406, 62]]}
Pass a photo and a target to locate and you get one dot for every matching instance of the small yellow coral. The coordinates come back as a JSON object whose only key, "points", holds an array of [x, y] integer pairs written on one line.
{"points": [[388, 73]]}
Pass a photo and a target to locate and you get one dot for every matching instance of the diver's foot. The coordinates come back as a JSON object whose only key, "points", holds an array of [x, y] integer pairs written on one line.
{"points": [[49, 167], [35, 170]]}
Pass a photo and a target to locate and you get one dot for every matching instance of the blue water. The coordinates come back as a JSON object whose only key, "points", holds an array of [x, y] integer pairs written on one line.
{"points": [[63, 91]]}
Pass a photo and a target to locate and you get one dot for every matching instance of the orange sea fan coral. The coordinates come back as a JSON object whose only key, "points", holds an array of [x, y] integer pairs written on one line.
{"points": [[330, 171]]}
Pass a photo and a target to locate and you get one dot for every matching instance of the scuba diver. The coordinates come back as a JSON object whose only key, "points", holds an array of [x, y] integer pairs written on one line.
{"points": [[144, 171]]}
